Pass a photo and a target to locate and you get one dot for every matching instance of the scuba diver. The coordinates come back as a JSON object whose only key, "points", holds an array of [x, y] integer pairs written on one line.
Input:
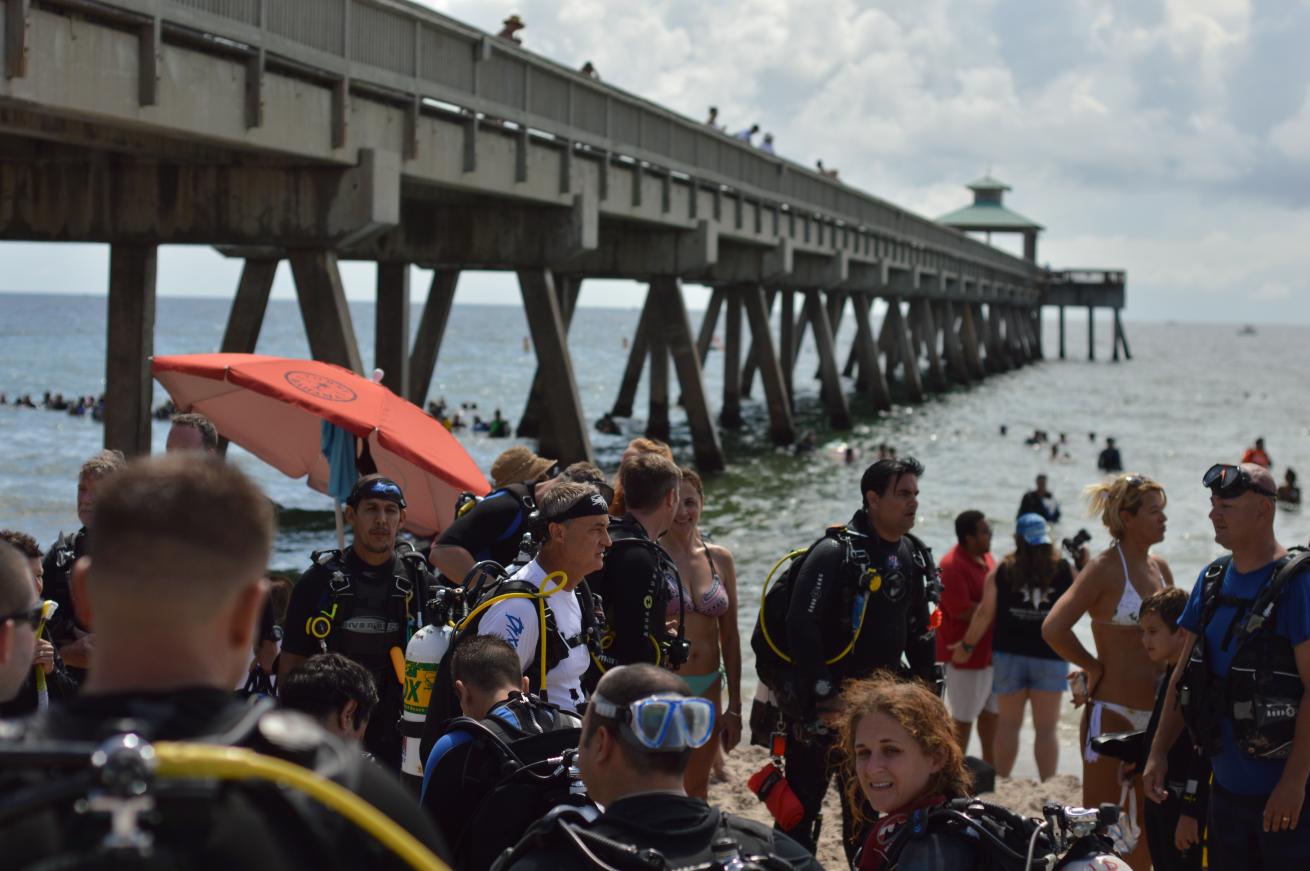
{"points": [[364, 604], [491, 528], [1245, 664], [855, 602], [639, 583], [488, 777], [901, 755], [126, 774], [637, 736]]}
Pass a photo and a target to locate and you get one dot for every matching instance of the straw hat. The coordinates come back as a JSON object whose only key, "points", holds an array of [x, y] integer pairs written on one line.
{"points": [[514, 21], [518, 464]]}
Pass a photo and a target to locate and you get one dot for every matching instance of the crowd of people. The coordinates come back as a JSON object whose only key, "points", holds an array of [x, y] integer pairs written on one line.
{"points": [[590, 675], [78, 406]]}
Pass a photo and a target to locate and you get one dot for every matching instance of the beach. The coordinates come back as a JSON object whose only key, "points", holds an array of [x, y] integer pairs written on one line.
{"points": [[1019, 794]]}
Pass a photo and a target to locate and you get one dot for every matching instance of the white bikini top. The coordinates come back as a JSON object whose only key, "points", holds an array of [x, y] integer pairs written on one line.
{"points": [[1130, 603]]}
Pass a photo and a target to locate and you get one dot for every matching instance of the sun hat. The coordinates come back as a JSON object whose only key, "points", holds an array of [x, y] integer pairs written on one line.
{"points": [[518, 464]]}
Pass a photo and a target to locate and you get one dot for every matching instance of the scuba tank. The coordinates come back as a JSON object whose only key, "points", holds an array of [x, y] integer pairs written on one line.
{"points": [[422, 656]]}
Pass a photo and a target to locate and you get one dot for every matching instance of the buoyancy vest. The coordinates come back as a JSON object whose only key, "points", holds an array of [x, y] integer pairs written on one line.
{"points": [[1262, 691], [656, 590], [346, 601]]}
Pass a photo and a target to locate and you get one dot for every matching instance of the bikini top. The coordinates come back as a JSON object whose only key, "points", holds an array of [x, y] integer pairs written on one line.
{"points": [[715, 601], [1130, 603]]}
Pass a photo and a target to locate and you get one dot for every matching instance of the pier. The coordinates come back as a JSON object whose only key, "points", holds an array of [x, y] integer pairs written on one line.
{"points": [[316, 131]]}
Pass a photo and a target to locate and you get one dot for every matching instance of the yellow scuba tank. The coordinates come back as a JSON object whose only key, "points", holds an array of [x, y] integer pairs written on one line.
{"points": [[422, 655]]}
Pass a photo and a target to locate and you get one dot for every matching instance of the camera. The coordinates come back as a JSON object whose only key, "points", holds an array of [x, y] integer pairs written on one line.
{"points": [[1075, 544], [677, 651]]}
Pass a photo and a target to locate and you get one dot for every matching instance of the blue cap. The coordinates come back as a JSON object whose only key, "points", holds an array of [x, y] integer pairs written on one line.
{"points": [[1032, 528]]}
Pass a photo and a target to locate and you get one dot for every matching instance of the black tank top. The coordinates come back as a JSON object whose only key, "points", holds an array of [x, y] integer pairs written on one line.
{"points": [[1020, 610]]}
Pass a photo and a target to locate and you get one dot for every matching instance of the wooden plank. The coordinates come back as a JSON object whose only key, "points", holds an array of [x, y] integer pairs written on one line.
{"points": [[391, 327], [130, 345], [246, 318], [431, 330], [530, 423], [781, 427], [568, 433], [323, 308], [834, 398], [730, 414], [676, 327], [636, 362], [871, 374]]}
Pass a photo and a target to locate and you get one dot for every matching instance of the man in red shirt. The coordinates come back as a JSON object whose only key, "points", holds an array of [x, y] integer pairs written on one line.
{"points": [[969, 686]]}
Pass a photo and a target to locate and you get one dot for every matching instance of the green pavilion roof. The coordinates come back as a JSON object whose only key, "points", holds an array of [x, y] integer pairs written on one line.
{"points": [[988, 216]]}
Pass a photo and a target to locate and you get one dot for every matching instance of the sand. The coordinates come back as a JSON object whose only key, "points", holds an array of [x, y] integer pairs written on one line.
{"points": [[1022, 796]]}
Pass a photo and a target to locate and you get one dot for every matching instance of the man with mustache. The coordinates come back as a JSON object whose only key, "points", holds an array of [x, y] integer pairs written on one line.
{"points": [[360, 604]]}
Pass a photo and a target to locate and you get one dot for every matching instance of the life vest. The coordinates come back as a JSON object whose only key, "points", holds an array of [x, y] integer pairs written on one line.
{"points": [[1000, 838], [861, 580], [671, 650], [1262, 691], [401, 603]]}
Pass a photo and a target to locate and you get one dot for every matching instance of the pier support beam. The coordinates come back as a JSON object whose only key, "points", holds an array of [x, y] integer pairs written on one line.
{"points": [[130, 344], [636, 362], [323, 308], [1121, 335], [545, 322], [998, 360], [530, 424], [705, 336], [751, 364], [248, 307], [834, 398], [951, 343], [391, 327], [1062, 355], [921, 312], [970, 331], [730, 414], [781, 427], [787, 343], [431, 330], [904, 349], [866, 348], [1091, 333], [657, 389], [666, 292]]}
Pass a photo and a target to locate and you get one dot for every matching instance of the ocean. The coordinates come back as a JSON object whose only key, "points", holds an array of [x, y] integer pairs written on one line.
{"points": [[1193, 395]]}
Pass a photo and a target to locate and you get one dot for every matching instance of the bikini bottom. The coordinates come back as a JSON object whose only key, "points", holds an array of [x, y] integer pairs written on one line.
{"points": [[701, 684], [1138, 719]]}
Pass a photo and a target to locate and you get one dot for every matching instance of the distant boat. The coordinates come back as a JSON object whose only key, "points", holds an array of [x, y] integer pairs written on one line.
{"points": [[1247, 330]]}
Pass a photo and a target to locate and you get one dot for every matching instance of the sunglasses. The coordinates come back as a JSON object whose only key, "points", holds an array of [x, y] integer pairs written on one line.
{"points": [[31, 616], [1228, 482], [663, 722]]}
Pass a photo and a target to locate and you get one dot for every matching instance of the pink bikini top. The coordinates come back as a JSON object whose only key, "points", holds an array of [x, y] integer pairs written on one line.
{"points": [[713, 604]]}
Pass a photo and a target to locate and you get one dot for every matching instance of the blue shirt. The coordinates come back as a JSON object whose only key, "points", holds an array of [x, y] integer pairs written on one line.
{"points": [[1234, 770]]}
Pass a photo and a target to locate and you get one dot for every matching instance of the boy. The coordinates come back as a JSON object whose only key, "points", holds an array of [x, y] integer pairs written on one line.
{"points": [[1173, 828]]}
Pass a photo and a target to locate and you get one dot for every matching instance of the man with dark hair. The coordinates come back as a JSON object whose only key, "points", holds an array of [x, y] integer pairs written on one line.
{"points": [[492, 528], [333, 689], [964, 569], [469, 759], [574, 527], [1040, 501], [20, 612], [639, 579], [192, 432], [67, 630], [54, 682], [173, 584], [1109, 460], [637, 737], [363, 604], [859, 602], [1240, 688]]}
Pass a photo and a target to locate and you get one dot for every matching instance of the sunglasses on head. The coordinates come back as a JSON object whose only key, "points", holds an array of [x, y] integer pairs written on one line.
{"points": [[1228, 482], [31, 616]]}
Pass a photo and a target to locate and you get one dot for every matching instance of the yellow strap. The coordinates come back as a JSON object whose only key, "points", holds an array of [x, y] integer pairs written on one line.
{"points": [[178, 760], [546, 590], [875, 584]]}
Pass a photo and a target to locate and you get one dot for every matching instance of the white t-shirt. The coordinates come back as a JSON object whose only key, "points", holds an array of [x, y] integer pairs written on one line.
{"points": [[517, 621]]}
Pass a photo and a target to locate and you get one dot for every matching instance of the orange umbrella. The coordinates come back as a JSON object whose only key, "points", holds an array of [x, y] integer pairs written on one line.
{"points": [[274, 408]]}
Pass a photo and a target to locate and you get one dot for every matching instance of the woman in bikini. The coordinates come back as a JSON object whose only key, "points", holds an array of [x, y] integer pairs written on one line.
{"points": [[709, 581], [1120, 677]]}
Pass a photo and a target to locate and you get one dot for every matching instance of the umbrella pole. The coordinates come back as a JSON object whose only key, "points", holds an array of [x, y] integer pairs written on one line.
{"points": [[341, 526]]}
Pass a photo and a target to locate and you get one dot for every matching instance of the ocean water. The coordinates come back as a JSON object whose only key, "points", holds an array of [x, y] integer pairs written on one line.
{"points": [[1193, 395]]}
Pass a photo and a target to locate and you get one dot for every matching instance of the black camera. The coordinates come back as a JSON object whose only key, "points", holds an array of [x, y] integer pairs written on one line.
{"points": [[677, 651], [1075, 544]]}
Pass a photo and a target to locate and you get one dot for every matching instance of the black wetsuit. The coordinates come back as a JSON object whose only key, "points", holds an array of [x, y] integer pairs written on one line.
{"points": [[59, 686], [370, 620], [492, 529], [681, 828], [636, 583], [205, 823], [896, 624], [1189, 795], [57, 567]]}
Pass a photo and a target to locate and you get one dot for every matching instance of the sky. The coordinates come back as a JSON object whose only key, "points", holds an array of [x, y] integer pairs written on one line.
{"points": [[1170, 138]]}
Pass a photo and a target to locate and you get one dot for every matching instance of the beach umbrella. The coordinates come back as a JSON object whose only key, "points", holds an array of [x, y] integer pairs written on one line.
{"points": [[276, 407]]}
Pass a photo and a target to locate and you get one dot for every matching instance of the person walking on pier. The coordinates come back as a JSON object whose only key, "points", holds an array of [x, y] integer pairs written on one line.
{"points": [[748, 134], [858, 601], [510, 28]]}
